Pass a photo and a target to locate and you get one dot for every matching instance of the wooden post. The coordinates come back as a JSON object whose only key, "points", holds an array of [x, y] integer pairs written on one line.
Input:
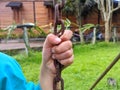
{"points": [[94, 35], [114, 36]]}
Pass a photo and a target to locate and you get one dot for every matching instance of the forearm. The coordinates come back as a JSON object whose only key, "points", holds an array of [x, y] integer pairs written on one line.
{"points": [[46, 80]]}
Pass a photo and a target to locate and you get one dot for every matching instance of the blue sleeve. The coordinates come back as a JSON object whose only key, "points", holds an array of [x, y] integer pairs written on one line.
{"points": [[11, 75]]}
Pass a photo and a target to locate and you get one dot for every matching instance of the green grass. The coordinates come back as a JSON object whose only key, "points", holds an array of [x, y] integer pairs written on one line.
{"points": [[89, 62], [30, 65]]}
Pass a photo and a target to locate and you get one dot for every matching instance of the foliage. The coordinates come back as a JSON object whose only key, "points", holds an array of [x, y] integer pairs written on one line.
{"points": [[8, 32], [82, 30], [30, 65], [87, 7], [89, 62], [2, 36], [10, 29], [69, 8], [86, 27], [67, 23], [80, 9], [107, 8], [40, 30]]}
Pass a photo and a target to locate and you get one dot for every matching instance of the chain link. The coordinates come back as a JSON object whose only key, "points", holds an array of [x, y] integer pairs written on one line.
{"points": [[58, 82], [58, 18]]}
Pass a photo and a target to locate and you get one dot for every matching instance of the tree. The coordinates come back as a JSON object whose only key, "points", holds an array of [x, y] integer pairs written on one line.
{"points": [[79, 8], [107, 8]]}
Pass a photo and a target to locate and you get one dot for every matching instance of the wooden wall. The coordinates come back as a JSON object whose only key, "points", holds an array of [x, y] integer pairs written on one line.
{"points": [[6, 17], [39, 14], [28, 13]]}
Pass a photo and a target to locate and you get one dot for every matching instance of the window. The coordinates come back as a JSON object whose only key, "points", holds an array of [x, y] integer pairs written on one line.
{"points": [[16, 7]]}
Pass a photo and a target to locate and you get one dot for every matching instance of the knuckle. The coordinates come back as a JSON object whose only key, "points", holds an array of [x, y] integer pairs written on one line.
{"points": [[57, 50], [69, 53], [70, 43], [70, 61]]}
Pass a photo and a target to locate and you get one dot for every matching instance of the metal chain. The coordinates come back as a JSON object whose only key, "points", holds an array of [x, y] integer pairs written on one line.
{"points": [[58, 19], [58, 83]]}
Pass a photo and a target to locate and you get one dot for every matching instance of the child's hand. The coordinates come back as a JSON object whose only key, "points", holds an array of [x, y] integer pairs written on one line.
{"points": [[55, 48]]}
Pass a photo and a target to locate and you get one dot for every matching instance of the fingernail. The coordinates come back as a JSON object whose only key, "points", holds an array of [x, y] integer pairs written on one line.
{"points": [[58, 40]]}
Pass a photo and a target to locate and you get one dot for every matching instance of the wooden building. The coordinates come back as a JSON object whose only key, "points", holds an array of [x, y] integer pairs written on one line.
{"points": [[34, 11], [25, 11], [37, 11]]}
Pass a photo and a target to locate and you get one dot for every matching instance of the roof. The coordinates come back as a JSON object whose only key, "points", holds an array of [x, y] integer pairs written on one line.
{"points": [[48, 3], [14, 4]]}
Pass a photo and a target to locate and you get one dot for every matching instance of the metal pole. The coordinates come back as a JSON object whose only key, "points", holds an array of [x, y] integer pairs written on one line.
{"points": [[106, 71], [26, 40]]}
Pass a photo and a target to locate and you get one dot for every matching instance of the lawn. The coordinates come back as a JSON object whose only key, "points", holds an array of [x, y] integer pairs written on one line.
{"points": [[89, 62]]}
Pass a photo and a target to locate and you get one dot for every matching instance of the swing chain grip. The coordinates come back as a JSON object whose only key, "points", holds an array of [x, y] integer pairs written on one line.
{"points": [[58, 82]]}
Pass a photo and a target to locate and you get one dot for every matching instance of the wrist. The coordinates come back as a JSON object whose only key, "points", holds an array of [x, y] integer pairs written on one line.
{"points": [[46, 79], [48, 70]]}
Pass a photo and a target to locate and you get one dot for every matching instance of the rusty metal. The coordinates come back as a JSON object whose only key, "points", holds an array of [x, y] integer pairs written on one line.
{"points": [[106, 71], [58, 20], [58, 83]]}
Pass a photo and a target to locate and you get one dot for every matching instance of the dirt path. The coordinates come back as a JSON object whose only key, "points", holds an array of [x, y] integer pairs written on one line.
{"points": [[18, 45]]}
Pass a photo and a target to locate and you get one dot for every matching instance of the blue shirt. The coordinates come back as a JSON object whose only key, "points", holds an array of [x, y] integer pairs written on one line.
{"points": [[11, 75]]}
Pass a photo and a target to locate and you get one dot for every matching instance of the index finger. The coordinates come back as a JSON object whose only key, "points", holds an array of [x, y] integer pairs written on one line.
{"points": [[66, 35]]}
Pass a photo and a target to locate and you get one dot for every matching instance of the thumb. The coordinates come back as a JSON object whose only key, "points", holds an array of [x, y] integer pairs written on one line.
{"points": [[51, 40]]}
